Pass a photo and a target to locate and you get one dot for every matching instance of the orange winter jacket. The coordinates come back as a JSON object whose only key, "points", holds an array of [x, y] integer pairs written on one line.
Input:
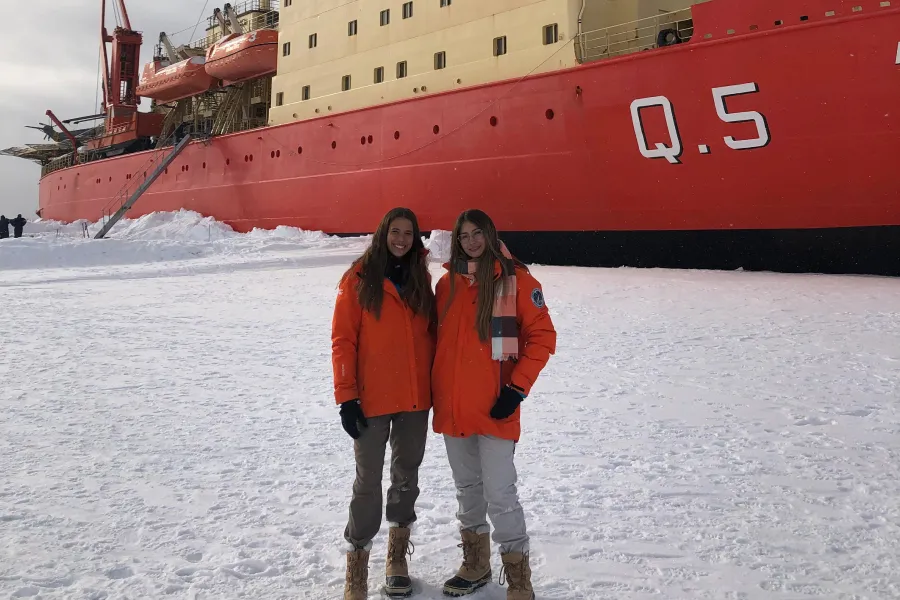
{"points": [[465, 381], [386, 363]]}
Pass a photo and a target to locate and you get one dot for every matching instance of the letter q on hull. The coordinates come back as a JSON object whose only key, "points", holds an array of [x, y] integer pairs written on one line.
{"points": [[670, 153]]}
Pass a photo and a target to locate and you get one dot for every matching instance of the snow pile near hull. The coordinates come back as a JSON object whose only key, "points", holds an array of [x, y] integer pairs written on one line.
{"points": [[183, 225], [282, 232], [439, 243], [163, 237]]}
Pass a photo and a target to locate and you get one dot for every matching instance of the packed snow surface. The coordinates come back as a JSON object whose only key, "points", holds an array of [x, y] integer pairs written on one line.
{"points": [[168, 430]]}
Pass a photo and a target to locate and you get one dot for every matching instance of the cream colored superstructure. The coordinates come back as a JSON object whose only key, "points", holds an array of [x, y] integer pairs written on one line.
{"points": [[538, 38]]}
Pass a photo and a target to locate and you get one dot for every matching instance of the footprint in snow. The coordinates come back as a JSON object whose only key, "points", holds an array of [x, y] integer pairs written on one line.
{"points": [[813, 421], [250, 568], [859, 412], [120, 572]]}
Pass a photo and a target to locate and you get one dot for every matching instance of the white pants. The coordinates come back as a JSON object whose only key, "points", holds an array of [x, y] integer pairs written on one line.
{"points": [[485, 478]]}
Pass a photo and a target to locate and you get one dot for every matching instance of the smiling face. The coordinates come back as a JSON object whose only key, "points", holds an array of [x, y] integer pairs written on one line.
{"points": [[471, 238], [400, 237]]}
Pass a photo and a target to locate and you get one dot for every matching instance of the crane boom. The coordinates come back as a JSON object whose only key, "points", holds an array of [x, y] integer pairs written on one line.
{"points": [[217, 13], [232, 17], [171, 52], [104, 38], [126, 23]]}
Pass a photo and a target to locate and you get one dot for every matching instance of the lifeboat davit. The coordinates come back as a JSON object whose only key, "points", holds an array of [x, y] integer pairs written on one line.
{"points": [[174, 82], [238, 57]]}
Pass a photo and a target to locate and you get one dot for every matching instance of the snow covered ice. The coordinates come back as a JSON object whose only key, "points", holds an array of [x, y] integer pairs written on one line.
{"points": [[168, 430]]}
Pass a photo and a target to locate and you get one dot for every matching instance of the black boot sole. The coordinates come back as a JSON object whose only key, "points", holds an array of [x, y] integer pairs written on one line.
{"points": [[398, 589], [465, 588]]}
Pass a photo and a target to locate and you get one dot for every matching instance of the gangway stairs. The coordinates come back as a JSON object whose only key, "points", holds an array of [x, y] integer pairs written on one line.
{"points": [[126, 206], [228, 110]]}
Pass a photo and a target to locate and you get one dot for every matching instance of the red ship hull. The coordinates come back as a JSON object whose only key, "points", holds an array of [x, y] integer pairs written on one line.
{"points": [[711, 153]]}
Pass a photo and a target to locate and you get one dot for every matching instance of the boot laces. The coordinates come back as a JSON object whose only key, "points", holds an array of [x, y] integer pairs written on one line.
{"points": [[396, 550], [470, 553], [514, 574], [359, 574]]}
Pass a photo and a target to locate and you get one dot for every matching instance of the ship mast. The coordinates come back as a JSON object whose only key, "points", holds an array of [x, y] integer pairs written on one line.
{"points": [[120, 75]]}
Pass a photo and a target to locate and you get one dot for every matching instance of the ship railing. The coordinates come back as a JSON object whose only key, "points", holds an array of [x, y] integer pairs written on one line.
{"points": [[247, 124], [263, 15], [55, 164], [68, 160], [154, 158], [634, 36]]}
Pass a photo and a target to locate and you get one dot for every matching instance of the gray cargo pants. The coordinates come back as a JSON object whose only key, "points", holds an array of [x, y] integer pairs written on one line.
{"points": [[485, 477], [407, 433]]}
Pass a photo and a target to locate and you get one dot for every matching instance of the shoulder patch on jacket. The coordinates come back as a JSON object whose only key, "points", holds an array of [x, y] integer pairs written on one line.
{"points": [[537, 297]]}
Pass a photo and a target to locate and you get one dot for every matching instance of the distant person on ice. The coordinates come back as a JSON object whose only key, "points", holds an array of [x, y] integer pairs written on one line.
{"points": [[494, 338], [4, 227], [383, 337], [18, 224]]}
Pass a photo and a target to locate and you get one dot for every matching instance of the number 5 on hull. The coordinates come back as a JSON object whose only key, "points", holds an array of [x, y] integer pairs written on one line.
{"points": [[719, 95]]}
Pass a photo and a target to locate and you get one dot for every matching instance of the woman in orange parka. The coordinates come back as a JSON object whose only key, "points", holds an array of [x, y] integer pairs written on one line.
{"points": [[382, 352], [495, 336]]}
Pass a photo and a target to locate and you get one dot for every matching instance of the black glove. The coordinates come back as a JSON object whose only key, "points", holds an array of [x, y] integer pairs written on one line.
{"points": [[352, 417], [507, 403]]}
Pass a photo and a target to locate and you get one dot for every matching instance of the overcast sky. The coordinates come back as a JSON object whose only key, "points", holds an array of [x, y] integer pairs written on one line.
{"points": [[49, 59]]}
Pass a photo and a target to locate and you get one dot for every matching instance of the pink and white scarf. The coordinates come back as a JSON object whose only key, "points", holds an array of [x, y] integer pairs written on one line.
{"points": [[504, 330]]}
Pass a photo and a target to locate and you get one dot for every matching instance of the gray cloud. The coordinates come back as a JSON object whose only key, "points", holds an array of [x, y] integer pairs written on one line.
{"points": [[49, 59]]}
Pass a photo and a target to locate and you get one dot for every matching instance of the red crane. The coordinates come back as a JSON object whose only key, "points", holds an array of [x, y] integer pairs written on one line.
{"points": [[120, 77], [120, 80]]}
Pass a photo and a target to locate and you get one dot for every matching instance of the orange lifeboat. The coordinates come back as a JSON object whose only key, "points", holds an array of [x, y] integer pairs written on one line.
{"points": [[181, 80], [238, 57]]}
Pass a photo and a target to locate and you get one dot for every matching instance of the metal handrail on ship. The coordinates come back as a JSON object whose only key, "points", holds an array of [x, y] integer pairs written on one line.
{"points": [[633, 36], [269, 16], [156, 156]]}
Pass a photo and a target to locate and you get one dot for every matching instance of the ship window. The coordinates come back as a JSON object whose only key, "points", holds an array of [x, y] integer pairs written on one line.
{"points": [[551, 34], [345, 83], [401, 69], [279, 98], [407, 10], [379, 75], [500, 46], [440, 60], [445, 3], [286, 49], [305, 93], [385, 17], [313, 40], [287, 3], [351, 27]]}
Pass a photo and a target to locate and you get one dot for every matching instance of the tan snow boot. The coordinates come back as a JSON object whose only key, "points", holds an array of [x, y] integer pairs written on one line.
{"points": [[356, 585], [397, 583], [518, 575], [475, 571]]}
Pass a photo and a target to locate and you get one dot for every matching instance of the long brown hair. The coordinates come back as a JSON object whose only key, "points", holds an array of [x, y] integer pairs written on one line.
{"points": [[417, 292], [484, 275]]}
